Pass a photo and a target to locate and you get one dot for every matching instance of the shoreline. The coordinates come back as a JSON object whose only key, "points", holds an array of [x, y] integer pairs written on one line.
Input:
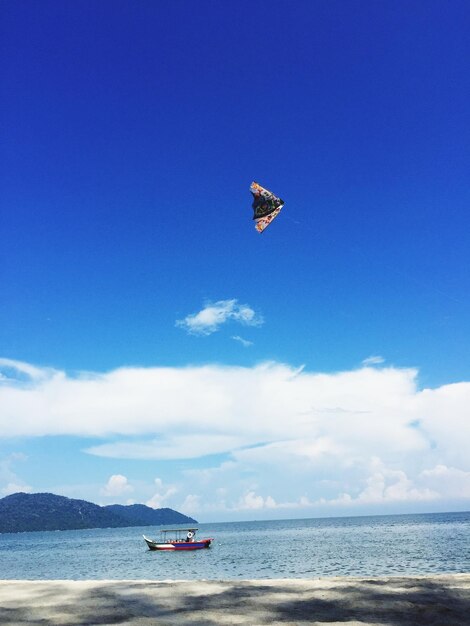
{"points": [[427, 600]]}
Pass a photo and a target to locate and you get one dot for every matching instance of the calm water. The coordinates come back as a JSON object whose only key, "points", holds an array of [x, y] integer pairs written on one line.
{"points": [[354, 546]]}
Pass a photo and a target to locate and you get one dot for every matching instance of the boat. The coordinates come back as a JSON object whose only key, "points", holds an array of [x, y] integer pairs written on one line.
{"points": [[178, 539]]}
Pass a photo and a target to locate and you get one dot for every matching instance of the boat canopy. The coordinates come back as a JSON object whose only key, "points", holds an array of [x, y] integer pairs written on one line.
{"points": [[178, 530]]}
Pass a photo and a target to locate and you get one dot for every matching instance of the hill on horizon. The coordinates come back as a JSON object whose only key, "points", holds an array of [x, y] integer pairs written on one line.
{"points": [[25, 512], [148, 516]]}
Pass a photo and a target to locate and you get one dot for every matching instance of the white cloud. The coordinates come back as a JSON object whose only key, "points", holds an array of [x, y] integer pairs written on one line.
{"points": [[10, 488], [386, 485], [373, 360], [453, 482], [252, 501], [117, 485], [191, 505], [213, 315], [291, 437], [162, 495]]}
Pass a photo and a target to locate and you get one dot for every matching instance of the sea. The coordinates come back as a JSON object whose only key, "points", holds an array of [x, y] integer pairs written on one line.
{"points": [[307, 548]]}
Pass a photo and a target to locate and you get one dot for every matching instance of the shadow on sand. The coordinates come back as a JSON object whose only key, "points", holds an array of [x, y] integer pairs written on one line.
{"points": [[410, 601]]}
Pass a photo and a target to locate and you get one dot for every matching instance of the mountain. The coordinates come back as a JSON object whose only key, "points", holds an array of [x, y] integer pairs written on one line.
{"points": [[21, 512], [46, 511], [141, 515]]}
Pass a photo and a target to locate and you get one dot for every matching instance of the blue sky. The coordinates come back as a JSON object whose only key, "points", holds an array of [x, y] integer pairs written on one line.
{"points": [[152, 342]]}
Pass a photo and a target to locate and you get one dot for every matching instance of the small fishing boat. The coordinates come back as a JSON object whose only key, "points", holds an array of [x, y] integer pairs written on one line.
{"points": [[178, 539]]}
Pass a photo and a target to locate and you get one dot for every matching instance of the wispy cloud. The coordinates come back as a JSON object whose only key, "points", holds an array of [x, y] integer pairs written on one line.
{"points": [[162, 495], [21, 371], [373, 360], [170, 447], [10, 482], [209, 319], [245, 343]]}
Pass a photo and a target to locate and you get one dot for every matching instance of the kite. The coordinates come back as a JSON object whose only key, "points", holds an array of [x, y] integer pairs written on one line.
{"points": [[266, 206]]}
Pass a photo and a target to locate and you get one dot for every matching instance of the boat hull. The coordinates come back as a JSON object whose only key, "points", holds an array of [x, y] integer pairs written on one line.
{"points": [[178, 545]]}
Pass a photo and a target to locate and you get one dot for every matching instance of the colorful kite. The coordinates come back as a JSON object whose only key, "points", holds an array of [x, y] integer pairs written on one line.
{"points": [[266, 206]]}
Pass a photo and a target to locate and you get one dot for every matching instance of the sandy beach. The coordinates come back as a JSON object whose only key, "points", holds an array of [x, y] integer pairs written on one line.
{"points": [[442, 600]]}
